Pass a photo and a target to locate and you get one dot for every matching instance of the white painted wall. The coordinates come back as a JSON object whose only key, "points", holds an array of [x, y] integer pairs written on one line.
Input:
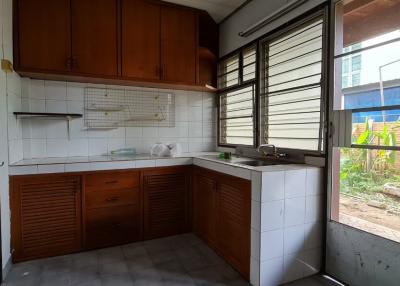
{"points": [[10, 97], [253, 12], [195, 123]]}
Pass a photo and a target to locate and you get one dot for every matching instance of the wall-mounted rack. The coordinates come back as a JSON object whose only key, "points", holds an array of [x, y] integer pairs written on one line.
{"points": [[49, 115], [113, 108]]}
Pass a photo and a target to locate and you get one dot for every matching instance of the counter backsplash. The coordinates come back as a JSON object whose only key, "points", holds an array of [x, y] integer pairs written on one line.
{"points": [[195, 127]]}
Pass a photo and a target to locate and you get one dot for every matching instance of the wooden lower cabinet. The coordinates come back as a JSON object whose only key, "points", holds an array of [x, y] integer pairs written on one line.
{"points": [[112, 208], [222, 213], [45, 215], [166, 201]]}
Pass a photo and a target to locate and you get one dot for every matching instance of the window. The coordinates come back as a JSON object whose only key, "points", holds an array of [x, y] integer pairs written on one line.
{"points": [[291, 97], [366, 165], [237, 85]]}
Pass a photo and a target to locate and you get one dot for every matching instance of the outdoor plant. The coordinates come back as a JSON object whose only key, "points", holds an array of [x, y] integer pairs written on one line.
{"points": [[365, 171]]}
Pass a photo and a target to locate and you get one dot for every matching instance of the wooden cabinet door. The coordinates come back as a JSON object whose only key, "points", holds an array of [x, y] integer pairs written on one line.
{"points": [[178, 45], [166, 196], [94, 37], [46, 216], [233, 226], [141, 39], [204, 206], [44, 39]]}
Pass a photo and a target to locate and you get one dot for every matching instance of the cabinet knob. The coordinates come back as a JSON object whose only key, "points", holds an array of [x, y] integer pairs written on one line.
{"points": [[2, 164]]}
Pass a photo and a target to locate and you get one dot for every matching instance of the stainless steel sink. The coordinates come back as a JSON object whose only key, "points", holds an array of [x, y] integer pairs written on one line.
{"points": [[260, 163]]}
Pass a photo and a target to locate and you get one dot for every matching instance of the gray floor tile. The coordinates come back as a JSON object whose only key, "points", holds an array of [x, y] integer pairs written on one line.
{"points": [[173, 261], [116, 280]]}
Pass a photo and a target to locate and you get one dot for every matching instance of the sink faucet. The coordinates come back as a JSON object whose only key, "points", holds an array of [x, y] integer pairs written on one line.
{"points": [[274, 153]]}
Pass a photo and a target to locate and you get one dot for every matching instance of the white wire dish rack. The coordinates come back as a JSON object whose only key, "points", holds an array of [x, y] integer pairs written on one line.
{"points": [[113, 108]]}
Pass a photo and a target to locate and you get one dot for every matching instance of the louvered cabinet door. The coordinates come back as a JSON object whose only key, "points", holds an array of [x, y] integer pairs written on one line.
{"points": [[204, 207], [233, 225], [166, 196], [46, 216]]}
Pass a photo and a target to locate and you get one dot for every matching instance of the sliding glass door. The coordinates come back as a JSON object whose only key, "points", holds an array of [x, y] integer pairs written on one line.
{"points": [[363, 232]]}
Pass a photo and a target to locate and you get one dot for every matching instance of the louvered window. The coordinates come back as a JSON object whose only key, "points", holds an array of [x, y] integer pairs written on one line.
{"points": [[237, 84], [291, 101]]}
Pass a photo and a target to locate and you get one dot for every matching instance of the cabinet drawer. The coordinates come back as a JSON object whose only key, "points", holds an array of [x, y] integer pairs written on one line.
{"points": [[112, 226], [112, 181], [107, 198]]}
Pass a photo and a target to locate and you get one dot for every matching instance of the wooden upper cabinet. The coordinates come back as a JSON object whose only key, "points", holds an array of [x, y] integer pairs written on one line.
{"points": [[141, 39], [178, 45], [44, 35], [94, 37], [45, 216]]}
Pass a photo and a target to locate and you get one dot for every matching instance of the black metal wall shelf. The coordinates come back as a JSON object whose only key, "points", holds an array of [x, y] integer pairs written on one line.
{"points": [[49, 115]]}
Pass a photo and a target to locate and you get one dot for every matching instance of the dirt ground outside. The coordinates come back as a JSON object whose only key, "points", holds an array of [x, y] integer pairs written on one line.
{"points": [[359, 214]]}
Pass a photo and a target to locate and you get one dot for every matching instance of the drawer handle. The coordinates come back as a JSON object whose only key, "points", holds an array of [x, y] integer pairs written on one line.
{"points": [[112, 182], [112, 199]]}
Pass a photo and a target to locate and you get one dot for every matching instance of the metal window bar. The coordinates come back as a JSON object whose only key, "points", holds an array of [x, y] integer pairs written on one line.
{"points": [[295, 34], [295, 46], [294, 69]]}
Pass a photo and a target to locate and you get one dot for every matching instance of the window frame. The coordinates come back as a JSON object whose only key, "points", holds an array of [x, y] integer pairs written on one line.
{"points": [[241, 84], [319, 11], [323, 14]]}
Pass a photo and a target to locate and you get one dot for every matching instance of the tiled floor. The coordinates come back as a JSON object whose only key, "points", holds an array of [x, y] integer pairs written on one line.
{"points": [[177, 260]]}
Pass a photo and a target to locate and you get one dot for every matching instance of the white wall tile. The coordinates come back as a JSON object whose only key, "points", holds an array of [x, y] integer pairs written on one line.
{"points": [[314, 183], [293, 239], [195, 114], [295, 183], [272, 215], [37, 105], [56, 106], [37, 89], [271, 244], [271, 272], [134, 132], [314, 208], [295, 211], [55, 148], [55, 90], [273, 184], [98, 146], [60, 97], [255, 244], [78, 147], [256, 215], [38, 148]]}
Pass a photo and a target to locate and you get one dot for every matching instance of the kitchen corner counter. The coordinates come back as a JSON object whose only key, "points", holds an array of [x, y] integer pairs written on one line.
{"points": [[96, 163]]}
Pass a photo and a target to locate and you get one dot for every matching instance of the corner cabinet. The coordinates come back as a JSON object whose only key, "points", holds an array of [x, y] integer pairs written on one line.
{"points": [[45, 216], [222, 212], [152, 43]]}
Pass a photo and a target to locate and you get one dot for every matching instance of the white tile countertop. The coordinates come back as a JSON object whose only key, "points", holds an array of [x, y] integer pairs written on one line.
{"points": [[84, 164]]}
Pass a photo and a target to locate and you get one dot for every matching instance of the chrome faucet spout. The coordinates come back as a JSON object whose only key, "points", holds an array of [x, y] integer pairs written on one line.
{"points": [[274, 153]]}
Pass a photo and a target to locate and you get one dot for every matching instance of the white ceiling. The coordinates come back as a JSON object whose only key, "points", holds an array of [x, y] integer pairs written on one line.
{"points": [[218, 9]]}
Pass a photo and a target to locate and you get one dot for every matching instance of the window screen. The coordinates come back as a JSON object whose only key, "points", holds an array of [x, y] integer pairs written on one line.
{"points": [[237, 85], [291, 99], [236, 116]]}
